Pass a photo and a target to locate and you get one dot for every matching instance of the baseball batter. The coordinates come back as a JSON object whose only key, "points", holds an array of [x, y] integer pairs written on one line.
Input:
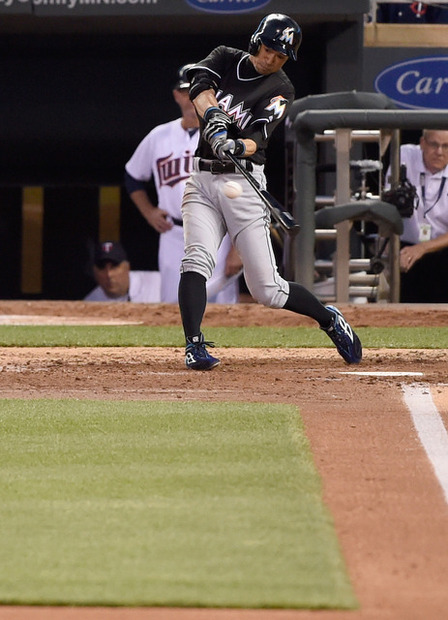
{"points": [[240, 98], [166, 155]]}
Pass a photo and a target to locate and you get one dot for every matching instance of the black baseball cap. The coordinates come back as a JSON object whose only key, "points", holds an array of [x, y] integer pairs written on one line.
{"points": [[111, 251]]}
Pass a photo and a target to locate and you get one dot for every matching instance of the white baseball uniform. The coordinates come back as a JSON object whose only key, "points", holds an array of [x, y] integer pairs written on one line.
{"points": [[166, 155], [144, 287]]}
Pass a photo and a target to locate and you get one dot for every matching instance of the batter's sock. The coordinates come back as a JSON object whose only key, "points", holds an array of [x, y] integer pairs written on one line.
{"points": [[301, 301], [192, 302]]}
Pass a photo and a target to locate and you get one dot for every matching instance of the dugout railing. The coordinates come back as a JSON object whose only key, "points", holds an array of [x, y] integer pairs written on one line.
{"points": [[310, 117]]}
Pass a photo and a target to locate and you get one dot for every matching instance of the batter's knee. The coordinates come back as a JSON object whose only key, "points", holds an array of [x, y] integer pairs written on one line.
{"points": [[274, 295], [198, 258]]}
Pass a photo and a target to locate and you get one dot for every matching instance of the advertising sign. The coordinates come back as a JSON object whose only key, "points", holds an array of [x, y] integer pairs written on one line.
{"points": [[227, 6], [319, 9], [417, 83]]}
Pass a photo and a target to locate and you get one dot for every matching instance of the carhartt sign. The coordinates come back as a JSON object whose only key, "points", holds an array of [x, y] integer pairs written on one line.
{"points": [[417, 83]]}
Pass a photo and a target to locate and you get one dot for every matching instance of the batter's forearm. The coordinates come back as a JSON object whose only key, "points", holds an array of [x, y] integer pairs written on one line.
{"points": [[206, 99]]}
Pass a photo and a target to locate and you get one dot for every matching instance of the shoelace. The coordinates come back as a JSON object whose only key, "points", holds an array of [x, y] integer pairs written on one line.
{"points": [[200, 346], [334, 331], [339, 337]]}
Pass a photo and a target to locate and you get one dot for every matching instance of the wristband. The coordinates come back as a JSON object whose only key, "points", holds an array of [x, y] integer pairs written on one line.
{"points": [[210, 111], [240, 148]]}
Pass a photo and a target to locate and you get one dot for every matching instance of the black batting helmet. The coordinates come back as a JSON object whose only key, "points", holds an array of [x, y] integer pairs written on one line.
{"points": [[278, 32], [182, 80]]}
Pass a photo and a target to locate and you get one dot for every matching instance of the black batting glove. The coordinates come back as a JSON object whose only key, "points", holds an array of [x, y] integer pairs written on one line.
{"points": [[224, 146], [216, 114]]}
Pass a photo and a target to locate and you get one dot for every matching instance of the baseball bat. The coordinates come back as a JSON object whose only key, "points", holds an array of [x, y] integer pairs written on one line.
{"points": [[278, 212]]}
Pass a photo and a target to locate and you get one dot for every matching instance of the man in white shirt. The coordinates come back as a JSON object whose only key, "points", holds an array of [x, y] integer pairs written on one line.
{"points": [[116, 282], [166, 155], [424, 253]]}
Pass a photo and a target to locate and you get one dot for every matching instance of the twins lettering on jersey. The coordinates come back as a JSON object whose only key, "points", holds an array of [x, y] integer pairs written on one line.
{"points": [[242, 117], [173, 170]]}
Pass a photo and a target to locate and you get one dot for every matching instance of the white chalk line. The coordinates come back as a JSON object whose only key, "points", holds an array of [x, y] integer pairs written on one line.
{"points": [[31, 319], [431, 431], [382, 373]]}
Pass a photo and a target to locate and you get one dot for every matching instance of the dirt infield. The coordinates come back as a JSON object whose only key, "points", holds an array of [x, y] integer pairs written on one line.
{"points": [[389, 510]]}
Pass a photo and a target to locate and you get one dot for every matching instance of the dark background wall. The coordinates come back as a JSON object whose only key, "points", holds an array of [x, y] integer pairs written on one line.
{"points": [[74, 103], [75, 106]]}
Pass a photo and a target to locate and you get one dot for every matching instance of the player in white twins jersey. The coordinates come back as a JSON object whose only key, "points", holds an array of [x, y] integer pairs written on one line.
{"points": [[241, 98], [166, 155]]}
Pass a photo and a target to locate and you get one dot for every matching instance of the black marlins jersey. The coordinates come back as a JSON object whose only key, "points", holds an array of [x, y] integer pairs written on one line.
{"points": [[256, 103]]}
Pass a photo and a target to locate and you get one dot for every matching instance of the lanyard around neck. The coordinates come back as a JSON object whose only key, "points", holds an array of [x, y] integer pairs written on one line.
{"points": [[439, 195]]}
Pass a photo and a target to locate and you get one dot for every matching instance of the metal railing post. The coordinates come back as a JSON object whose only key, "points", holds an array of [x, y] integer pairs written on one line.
{"points": [[343, 195]]}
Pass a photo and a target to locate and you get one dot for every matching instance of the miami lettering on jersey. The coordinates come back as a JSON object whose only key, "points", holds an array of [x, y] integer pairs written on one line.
{"points": [[173, 170], [241, 116]]}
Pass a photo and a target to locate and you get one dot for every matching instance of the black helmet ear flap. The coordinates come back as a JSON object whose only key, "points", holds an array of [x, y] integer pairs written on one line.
{"points": [[254, 44]]}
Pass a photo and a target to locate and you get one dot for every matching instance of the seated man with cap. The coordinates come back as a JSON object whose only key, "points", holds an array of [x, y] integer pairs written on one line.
{"points": [[116, 281]]}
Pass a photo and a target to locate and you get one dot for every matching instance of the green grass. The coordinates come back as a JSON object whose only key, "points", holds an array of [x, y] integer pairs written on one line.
{"points": [[131, 336], [158, 503]]}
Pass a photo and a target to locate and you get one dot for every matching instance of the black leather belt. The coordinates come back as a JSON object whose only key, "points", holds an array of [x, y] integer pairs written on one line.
{"points": [[216, 166]]}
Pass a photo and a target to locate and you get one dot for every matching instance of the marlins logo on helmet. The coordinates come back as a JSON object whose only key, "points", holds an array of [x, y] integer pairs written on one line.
{"points": [[287, 36]]}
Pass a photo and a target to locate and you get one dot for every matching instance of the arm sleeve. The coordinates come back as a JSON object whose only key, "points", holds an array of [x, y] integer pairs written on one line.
{"points": [[205, 74], [131, 184], [202, 80]]}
